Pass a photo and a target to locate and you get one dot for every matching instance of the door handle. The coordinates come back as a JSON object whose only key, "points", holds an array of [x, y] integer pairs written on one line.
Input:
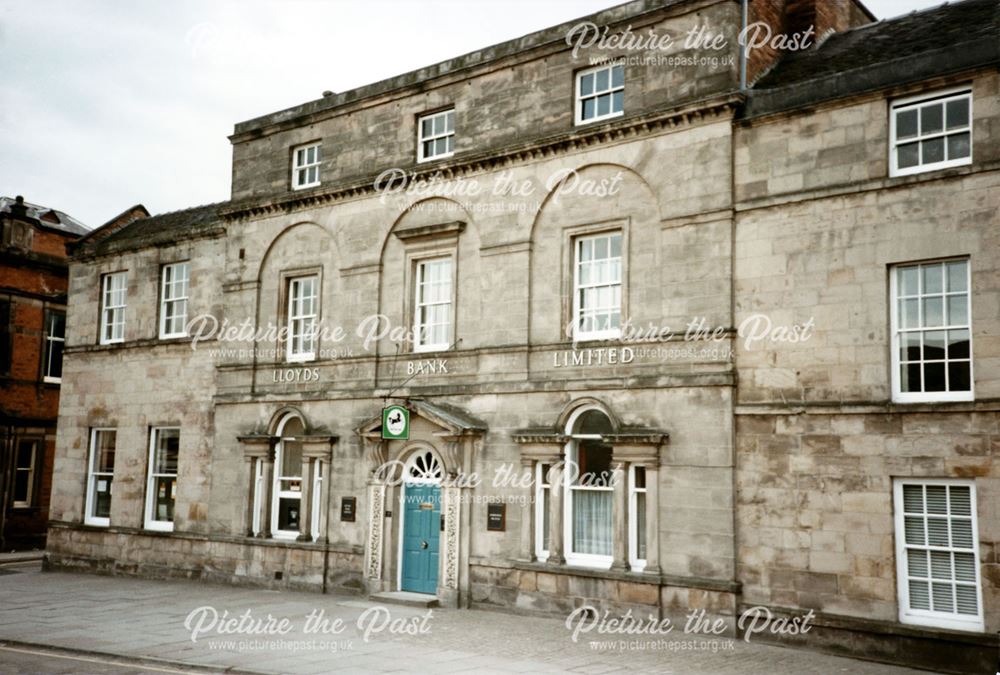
{"points": [[423, 544]]}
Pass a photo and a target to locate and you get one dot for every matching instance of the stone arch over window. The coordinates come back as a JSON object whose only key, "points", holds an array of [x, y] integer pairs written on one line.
{"points": [[599, 213], [304, 253], [423, 464], [428, 272], [575, 408]]}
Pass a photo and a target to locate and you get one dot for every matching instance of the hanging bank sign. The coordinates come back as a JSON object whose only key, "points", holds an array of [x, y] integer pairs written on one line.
{"points": [[395, 423]]}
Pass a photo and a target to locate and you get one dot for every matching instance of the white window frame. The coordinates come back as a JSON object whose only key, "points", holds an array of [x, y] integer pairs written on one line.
{"points": [[94, 476], [30, 470], [579, 98], [608, 334], [302, 169], [572, 452], [448, 133], [635, 562], [939, 97], [277, 493], [922, 617], [49, 339], [302, 319], [418, 304], [541, 487], [113, 313], [151, 522], [174, 293], [899, 396]]}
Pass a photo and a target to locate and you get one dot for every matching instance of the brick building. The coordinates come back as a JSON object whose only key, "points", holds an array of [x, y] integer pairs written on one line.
{"points": [[733, 319], [33, 281]]}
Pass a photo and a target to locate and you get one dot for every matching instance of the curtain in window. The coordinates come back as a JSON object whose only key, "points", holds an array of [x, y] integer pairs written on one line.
{"points": [[592, 521]]}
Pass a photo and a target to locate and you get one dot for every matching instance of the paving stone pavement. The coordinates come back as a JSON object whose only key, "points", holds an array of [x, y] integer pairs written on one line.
{"points": [[139, 618]]}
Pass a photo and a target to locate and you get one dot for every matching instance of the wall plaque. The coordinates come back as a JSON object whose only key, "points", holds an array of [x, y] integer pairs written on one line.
{"points": [[496, 517], [348, 507]]}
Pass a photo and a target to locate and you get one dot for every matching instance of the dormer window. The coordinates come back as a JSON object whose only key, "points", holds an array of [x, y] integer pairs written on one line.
{"points": [[305, 166], [436, 135]]}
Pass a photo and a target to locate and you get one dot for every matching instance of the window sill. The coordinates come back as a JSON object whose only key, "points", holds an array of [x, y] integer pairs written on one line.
{"points": [[943, 623], [939, 166], [944, 397], [305, 187], [593, 120], [428, 160]]}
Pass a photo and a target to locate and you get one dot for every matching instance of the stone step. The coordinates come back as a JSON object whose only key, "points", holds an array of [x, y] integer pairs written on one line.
{"points": [[405, 598]]}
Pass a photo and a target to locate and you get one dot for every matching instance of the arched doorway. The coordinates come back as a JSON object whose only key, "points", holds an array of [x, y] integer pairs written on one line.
{"points": [[287, 507], [420, 533]]}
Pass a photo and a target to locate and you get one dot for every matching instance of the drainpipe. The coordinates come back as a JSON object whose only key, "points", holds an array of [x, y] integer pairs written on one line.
{"points": [[743, 52], [6, 463]]}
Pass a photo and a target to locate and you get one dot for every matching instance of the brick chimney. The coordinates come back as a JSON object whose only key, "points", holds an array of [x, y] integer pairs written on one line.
{"points": [[795, 17]]}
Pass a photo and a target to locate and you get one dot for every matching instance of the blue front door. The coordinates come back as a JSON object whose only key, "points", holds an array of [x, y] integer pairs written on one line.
{"points": [[421, 533]]}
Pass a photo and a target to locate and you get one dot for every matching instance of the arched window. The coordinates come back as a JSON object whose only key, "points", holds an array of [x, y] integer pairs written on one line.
{"points": [[423, 467], [589, 490], [286, 506]]}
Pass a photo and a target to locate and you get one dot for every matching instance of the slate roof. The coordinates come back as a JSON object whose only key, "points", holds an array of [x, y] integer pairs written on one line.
{"points": [[160, 229], [917, 46], [67, 223]]}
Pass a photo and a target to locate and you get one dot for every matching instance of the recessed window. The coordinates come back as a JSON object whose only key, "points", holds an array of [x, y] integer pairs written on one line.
{"points": [[55, 339], [100, 476], [436, 136], [24, 472], [600, 93], [305, 166], [937, 553], [6, 335], [637, 517], [931, 133], [932, 332], [114, 288], [173, 300], [161, 488], [597, 286], [303, 318], [432, 307]]}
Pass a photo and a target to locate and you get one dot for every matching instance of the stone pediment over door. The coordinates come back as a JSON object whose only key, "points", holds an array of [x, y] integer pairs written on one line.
{"points": [[454, 433]]}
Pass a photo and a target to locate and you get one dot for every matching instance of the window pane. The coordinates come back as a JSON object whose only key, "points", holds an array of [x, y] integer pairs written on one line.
{"points": [[933, 281], [906, 123], [909, 347], [960, 500], [941, 597], [966, 602], [21, 483], [934, 342], [102, 496], [288, 513], [910, 379], [933, 150], [601, 79], [958, 344], [958, 113], [589, 107], [164, 488], [594, 464], [937, 531], [908, 155], [934, 377], [640, 477], [959, 146], [587, 84], [603, 104], [167, 450], [919, 595], [439, 125], [959, 378], [931, 118], [958, 310], [933, 311], [617, 76], [104, 455], [617, 101], [914, 530], [592, 522], [909, 313], [909, 280], [957, 276], [640, 525]]}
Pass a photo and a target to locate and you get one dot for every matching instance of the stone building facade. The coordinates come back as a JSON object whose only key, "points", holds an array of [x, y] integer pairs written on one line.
{"points": [[33, 281], [669, 337]]}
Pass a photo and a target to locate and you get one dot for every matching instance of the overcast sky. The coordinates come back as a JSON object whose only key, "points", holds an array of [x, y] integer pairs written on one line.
{"points": [[109, 103]]}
